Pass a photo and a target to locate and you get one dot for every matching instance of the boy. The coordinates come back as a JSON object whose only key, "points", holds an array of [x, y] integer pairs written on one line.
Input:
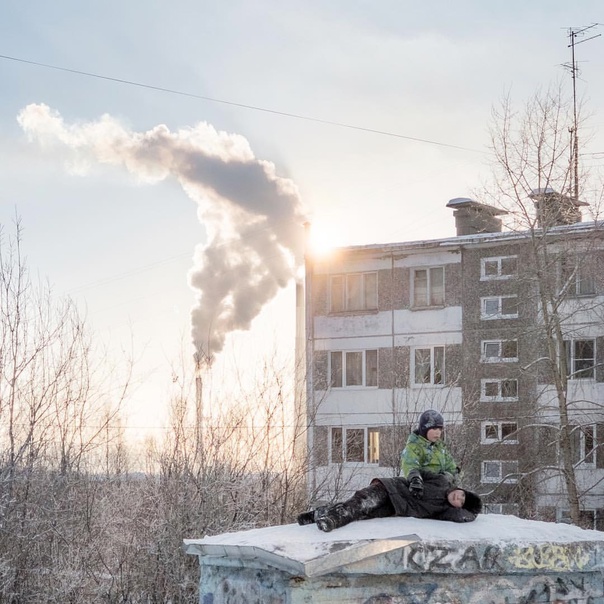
{"points": [[425, 450]]}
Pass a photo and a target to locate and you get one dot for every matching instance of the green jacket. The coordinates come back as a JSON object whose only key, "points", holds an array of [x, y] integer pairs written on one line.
{"points": [[420, 454]]}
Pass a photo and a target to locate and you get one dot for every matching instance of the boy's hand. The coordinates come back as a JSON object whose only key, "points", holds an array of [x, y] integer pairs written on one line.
{"points": [[416, 487]]}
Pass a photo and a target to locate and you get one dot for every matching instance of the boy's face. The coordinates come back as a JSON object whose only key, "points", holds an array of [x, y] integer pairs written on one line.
{"points": [[434, 434], [457, 498]]}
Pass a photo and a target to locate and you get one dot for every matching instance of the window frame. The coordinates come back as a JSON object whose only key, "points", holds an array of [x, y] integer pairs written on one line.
{"points": [[433, 367], [500, 438], [369, 298], [500, 508], [500, 275], [429, 270], [580, 279], [499, 314], [501, 478], [571, 359], [588, 445], [499, 358], [563, 516], [498, 398], [370, 444], [367, 380]]}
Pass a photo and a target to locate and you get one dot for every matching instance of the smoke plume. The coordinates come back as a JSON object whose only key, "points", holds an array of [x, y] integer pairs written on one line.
{"points": [[253, 217]]}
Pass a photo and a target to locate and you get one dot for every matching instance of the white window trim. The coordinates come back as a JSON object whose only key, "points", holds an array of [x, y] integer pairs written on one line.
{"points": [[363, 369], [498, 508], [571, 368], [497, 479], [366, 430], [499, 440], [345, 276], [497, 359], [498, 315], [498, 276], [583, 463], [574, 289], [498, 398], [563, 515], [428, 269], [431, 383]]}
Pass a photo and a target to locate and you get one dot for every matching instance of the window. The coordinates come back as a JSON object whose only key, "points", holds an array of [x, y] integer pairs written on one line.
{"points": [[506, 432], [353, 292], [356, 368], [587, 518], [499, 307], [498, 390], [373, 445], [587, 443], [580, 359], [500, 267], [499, 432], [429, 286], [499, 351], [575, 279], [499, 471], [429, 365], [355, 445], [501, 508]]}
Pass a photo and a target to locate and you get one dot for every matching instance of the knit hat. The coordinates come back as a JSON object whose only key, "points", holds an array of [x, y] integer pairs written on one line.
{"points": [[430, 419], [473, 503]]}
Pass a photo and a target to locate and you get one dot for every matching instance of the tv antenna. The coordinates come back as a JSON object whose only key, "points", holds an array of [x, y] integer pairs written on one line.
{"points": [[573, 34]]}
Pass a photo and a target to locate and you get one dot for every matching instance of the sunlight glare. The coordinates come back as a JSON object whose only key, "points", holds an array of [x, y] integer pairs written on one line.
{"points": [[323, 239]]}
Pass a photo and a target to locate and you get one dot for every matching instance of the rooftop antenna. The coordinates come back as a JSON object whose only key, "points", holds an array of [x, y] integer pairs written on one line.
{"points": [[573, 34]]}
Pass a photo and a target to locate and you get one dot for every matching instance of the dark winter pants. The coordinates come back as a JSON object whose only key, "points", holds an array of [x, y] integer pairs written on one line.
{"points": [[371, 502]]}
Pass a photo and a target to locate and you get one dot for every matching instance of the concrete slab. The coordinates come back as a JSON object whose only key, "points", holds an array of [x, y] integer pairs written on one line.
{"points": [[496, 559]]}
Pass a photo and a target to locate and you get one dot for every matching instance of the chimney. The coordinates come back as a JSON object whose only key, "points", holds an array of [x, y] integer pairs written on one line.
{"points": [[555, 209], [473, 218]]}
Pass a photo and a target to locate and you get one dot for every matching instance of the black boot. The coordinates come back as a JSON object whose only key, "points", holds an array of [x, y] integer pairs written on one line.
{"points": [[370, 502], [306, 518], [336, 516], [311, 516]]}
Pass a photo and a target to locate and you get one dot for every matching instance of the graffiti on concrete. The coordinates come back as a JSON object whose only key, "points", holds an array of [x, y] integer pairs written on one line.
{"points": [[550, 557], [556, 590], [440, 558], [541, 557], [563, 590]]}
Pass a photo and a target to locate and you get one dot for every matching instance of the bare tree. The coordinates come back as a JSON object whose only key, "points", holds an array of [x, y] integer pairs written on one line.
{"points": [[77, 523], [54, 415], [534, 181]]}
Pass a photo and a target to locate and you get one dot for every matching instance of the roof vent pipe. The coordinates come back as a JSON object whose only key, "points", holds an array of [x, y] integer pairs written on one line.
{"points": [[555, 209], [473, 218]]}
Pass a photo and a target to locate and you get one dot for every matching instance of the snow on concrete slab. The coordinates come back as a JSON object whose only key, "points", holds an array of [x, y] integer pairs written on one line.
{"points": [[307, 550]]}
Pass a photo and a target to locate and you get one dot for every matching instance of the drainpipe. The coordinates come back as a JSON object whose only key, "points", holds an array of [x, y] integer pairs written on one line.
{"points": [[310, 349]]}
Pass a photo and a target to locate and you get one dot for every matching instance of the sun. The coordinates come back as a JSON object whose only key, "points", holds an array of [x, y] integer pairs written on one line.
{"points": [[322, 239]]}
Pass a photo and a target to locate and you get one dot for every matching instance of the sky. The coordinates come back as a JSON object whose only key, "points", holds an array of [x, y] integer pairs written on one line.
{"points": [[166, 191]]}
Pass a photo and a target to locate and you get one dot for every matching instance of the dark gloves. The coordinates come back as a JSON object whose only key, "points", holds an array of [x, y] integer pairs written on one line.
{"points": [[416, 486], [455, 478]]}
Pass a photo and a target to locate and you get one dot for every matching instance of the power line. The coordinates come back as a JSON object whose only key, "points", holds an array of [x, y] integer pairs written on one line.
{"points": [[241, 105], [124, 275]]}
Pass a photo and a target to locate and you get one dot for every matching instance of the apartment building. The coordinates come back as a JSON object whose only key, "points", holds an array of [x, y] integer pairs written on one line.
{"points": [[464, 325]]}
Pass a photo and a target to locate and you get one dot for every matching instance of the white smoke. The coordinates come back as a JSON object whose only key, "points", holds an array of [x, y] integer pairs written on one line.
{"points": [[253, 217]]}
